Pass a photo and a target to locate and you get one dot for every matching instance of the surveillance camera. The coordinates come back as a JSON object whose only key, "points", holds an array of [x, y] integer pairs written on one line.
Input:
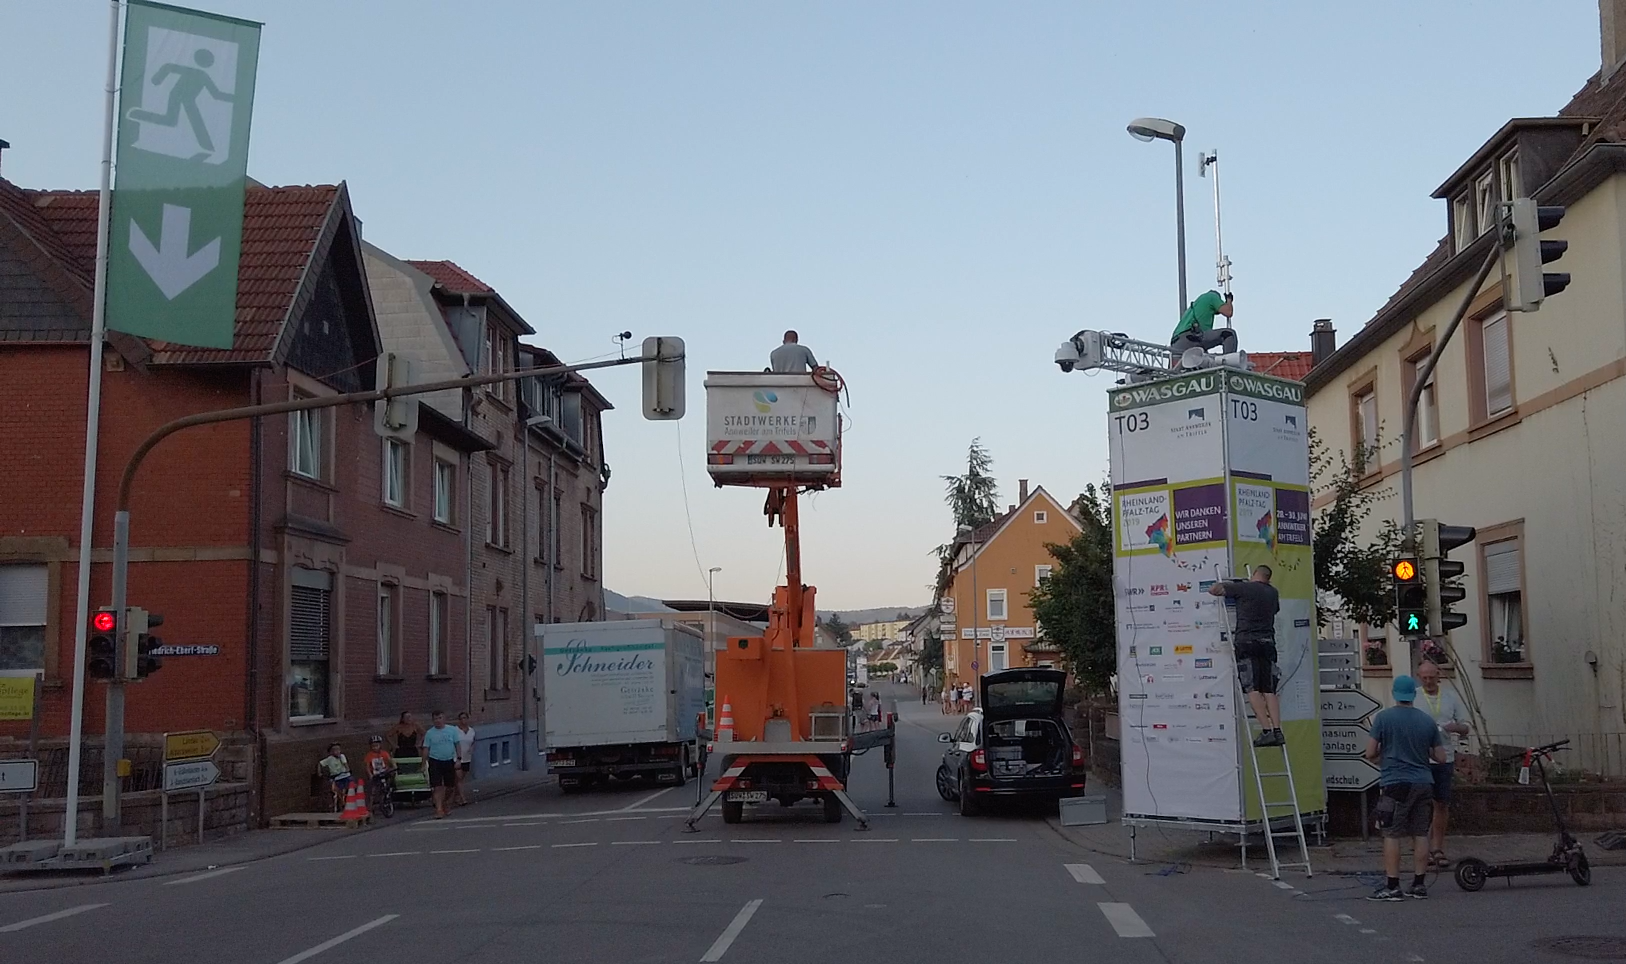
{"points": [[1067, 355]]}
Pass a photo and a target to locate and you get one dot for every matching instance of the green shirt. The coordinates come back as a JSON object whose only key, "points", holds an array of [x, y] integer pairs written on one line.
{"points": [[1200, 316]]}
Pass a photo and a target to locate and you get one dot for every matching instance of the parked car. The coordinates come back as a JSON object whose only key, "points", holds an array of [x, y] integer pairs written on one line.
{"points": [[1015, 745]]}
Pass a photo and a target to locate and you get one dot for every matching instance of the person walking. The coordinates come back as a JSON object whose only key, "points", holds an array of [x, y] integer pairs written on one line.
{"points": [[1254, 643], [440, 745], [1405, 741], [465, 756], [1448, 711], [408, 735]]}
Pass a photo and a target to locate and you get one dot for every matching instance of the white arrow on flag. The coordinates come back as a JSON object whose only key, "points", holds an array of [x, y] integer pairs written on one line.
{"points": [[168, 263]]}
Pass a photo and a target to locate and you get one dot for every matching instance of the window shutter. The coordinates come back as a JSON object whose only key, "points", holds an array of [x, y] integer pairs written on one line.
{"points": [[1498, 367], [22, 595], [308, 621], [1502, 567]]}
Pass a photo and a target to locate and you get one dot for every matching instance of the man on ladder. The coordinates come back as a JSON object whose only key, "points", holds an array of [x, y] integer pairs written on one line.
{"points": [[1254, 640]]}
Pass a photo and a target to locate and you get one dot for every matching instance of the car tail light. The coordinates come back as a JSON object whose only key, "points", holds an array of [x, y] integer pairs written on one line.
{"points": [[812, 784], [720, 459], [979, 760], [821, 460], [666, 751], [1078, 756], [743, 784]]}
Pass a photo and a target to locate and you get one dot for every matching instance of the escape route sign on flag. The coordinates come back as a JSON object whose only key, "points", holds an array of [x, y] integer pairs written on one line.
{"points": [[177, 223]]}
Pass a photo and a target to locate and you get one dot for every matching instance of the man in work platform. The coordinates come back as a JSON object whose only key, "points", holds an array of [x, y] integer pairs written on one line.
{"points": [[1254, 642], [1196, 327], [792, 357]]}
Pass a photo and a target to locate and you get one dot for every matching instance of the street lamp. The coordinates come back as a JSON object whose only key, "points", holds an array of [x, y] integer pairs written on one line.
{"points": [[1156, 128]]}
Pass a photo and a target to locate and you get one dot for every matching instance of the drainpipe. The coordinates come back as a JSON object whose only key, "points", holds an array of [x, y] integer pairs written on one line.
{"points": [[251, 687], [527, 629], [468, 538]]}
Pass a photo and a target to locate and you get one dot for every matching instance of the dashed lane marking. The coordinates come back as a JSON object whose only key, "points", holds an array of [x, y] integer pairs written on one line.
{"points": [[47, 918], [875, 840], [755, 840], [709, 840], [204, 876], [535, 846], [1084, 874], [538, 823], [815, 840], [1124, 920], [934, 839], [339, 857], [335, 942], [725, 940], [562, 846], [993, 840], [617, 819], [475, 851], [398, 853], [1345, 919], [634, 843], [588, 820], [1283, 885]]}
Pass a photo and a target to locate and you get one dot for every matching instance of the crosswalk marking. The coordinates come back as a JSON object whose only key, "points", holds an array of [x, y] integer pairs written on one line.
{"points": [[1124, 920], [1084, 874], [47, 918]]}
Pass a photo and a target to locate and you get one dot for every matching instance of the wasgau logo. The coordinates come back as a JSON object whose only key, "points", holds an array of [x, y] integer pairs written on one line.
{"points": [[1166, 391], [1267, 389]]}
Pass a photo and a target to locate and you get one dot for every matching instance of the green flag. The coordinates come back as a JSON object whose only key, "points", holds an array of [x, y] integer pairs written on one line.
{"points": [[177, 220]]}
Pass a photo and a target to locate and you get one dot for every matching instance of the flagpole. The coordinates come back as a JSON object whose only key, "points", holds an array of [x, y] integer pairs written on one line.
{"points": [[93, 413]]}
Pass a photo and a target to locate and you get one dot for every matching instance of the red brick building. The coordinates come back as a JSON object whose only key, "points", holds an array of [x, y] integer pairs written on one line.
{"points": [[299, 554]]}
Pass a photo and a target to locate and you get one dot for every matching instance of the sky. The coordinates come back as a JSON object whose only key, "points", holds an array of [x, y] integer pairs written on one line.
{"points": [[934, 193]]}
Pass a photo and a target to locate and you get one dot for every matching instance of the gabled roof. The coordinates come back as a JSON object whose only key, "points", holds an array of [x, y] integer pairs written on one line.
{"points": [[997, 528], [452, 277], [284, 230], [1283, 364]]}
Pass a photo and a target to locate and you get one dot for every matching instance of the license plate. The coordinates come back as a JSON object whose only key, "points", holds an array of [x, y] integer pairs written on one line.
{"points": [[747, 796], [770, 460]]}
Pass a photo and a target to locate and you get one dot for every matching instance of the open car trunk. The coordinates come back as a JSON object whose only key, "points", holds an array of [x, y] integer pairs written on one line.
{"points": [[1026, 748]]}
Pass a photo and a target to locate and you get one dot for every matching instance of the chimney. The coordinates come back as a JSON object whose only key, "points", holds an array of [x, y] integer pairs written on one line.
{"points": [[1612, 31], [1323, 339], [1021, 491], [1009, 509], [4, 145]]}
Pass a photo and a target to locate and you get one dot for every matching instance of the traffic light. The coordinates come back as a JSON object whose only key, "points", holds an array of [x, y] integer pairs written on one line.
{"points": [[1411, 596], [139, 663], [1528, 282], [102, 648], [1441, 573], [663, 378]]}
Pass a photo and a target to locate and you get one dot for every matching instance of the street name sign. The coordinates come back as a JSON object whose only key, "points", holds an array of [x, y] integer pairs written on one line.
{"points": [[19, 776], [191, 775], [176, 226], [191, 745], [1346, 706], [1325, 646], [1352, 775], [1337, 660], [1343, 739], [1344, 678]]}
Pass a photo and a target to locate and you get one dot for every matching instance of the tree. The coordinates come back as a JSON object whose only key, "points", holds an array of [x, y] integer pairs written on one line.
{"points": [[839, 629], [884, 669], [974, 496], [1354, 570], [1075, 605], [931, 654]]}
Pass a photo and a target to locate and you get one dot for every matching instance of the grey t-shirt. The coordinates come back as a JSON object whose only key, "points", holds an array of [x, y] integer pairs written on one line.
{"points": [[1405, 734], [1256, 606], [793, 359]]}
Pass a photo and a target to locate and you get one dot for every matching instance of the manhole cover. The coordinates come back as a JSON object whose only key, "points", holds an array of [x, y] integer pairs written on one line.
{"points": [[712, 860], [1586, 948]]}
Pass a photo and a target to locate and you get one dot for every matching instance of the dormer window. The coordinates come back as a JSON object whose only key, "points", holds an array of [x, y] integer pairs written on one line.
{"points": [[1485, 201], [1511, 185], [1462, 222]]}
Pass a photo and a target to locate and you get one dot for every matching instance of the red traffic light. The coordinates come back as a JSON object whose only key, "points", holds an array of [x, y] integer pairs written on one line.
{"points": [[103, 622]]}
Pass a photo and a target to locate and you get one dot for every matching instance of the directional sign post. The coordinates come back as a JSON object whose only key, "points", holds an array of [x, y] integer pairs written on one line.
{"points": [[1337, 661], [190, 775], [177, 217], [19, 776], [1346, 678], [1343, 773], [191, 745], [1346, 706], [1343, 740]]}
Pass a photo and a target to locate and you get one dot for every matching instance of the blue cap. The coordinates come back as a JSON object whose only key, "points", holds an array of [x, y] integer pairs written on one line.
{"points": [[1405, 689]]}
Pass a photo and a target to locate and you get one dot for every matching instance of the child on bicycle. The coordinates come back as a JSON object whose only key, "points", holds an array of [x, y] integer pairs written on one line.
{"points": [[337, 770]]}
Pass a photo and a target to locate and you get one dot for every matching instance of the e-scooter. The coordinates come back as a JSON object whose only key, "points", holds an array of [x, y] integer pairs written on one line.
{"points": [[1567, 856]]}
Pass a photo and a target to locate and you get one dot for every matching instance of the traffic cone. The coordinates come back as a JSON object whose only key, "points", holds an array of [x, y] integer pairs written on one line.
{"points": [[725, 723], [355, 803]]}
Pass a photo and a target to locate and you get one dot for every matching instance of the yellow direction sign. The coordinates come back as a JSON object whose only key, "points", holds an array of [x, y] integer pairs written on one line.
{"points": [[16, 697], [191, 745]]}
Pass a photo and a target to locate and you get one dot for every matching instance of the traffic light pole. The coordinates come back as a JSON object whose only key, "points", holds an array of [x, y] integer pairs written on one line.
{"points": [[121, 537], [1421, 381]]}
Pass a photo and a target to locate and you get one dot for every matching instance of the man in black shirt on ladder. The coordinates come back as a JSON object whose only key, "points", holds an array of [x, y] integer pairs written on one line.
{"points": [[1254, 640]]}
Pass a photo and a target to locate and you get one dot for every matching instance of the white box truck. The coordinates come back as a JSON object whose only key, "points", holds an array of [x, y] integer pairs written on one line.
{"points": [[621, 700]]}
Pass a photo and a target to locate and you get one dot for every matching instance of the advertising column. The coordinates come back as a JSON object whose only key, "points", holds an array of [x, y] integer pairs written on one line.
{"points": [[1171, 524]]}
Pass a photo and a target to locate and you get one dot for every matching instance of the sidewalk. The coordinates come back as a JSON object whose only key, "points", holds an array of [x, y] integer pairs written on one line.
{"points": [[253, 845], [1156, 845]]}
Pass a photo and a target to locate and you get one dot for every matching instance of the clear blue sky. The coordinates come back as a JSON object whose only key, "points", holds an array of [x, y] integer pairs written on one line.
{"points": [[934, 193]]}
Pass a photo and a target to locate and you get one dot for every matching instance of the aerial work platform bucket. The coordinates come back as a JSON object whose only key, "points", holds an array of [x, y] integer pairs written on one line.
{"points": [[770, 430]]}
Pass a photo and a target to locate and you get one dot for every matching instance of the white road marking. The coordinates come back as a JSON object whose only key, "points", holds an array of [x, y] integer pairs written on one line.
{"points": [[1282, 884], [339, 857], [993, 840], [1345, 918], [814, 840], [47, 918], [1124, 920], [475, 826], [618, 819], [725, 940], [1368, 930], [755, 840], [537, 823], [455, 851], [335, 942], [635, 805], [934, 839], [924, 813], [561, 846], [1084, 874], [634, 843], [204, 876], [588, 820], [535, 846], [711, 840], [875, 840], [494, 819], [398, 853]]}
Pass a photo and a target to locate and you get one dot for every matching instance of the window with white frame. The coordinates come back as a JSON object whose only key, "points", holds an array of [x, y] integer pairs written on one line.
{"points": [[1485, 202], [310, 625], [1462, 222], [996, 604], [24, 590], [1040, 574], [439, 622], [1511, 183], [388, 644], [497, 506], [1504, 598], [1428, 405], [1496, 351], [305, 439], [445, 492], [395, 472], [1040, 517], [1366, 422]]}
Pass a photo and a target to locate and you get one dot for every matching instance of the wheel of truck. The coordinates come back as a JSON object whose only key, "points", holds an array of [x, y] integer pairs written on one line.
{"points": [[968, 803], [733, 811], [682, 772], [832, 809]]}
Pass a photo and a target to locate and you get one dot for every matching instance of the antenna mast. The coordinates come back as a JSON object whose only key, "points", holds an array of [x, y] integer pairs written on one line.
{"points": [[1222, 264]]}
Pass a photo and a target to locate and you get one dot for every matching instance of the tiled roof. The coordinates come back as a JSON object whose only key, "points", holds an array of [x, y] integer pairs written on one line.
{"points": [[281, 230], [1282, 364], [454, 279]]}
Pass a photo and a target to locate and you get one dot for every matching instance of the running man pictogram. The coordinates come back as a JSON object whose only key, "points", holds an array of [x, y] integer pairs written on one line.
{"points": [[190, 84]]}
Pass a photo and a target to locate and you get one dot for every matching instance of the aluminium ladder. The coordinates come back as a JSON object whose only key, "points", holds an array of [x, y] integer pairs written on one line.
{"points": [[1268, 808]]}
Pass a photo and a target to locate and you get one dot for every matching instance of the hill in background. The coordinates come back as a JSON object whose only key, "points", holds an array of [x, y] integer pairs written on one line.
{"points": [[616, 602]]}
